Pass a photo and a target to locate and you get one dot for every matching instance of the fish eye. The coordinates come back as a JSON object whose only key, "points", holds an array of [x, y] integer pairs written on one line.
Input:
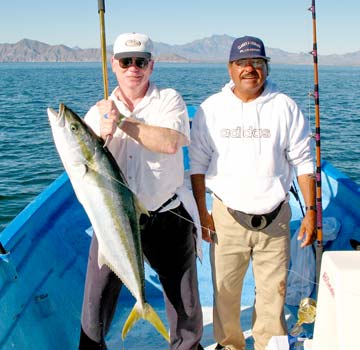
{"points": [[74, 128]]}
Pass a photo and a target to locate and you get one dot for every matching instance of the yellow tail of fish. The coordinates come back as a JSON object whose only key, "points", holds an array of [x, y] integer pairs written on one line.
{"points": [[147, 313]]}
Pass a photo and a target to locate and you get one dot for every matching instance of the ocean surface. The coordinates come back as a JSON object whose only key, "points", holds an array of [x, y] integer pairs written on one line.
{"points": [[28, 158]]}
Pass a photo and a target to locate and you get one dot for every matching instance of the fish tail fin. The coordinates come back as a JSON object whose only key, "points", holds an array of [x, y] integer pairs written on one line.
{"points": [[147, 313], [133, 317], [154, 319]]}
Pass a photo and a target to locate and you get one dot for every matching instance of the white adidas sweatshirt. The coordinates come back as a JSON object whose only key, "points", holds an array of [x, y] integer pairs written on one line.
{"points": [[249, 151]]}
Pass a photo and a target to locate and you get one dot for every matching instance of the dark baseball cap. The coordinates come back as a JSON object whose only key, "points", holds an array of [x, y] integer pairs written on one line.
{"points": [[247, 47]]}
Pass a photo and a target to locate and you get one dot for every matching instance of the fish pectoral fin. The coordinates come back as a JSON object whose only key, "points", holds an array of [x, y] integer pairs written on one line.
{"points": [[81, 169], [149, 314]]}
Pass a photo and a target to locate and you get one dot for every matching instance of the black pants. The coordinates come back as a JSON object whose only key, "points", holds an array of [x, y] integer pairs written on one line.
{"points": [[169, 245]]}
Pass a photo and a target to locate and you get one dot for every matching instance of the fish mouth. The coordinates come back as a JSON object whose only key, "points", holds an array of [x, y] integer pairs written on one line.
{"points": [[56, 118]]}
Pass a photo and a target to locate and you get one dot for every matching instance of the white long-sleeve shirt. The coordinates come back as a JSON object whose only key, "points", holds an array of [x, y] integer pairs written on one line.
{"points": [[249, 151]]}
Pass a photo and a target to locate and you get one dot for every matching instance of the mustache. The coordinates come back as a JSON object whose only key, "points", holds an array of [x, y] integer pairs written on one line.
{"points": [[249, 75]]}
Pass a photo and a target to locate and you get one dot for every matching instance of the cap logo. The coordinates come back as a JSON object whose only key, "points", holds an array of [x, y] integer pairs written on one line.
{"points": [[132, 43], [247, 47], [248, 43]]}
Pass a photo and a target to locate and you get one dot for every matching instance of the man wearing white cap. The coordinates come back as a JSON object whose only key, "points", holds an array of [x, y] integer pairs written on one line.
{"points": [[147, 128]]}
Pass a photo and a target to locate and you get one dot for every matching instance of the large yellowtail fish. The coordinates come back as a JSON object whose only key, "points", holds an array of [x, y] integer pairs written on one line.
{"points": [[112, 208]]}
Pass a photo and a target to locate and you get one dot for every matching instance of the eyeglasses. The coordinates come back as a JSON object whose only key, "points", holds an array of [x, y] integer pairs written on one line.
{"points": [[139, 62], [255, 62]]}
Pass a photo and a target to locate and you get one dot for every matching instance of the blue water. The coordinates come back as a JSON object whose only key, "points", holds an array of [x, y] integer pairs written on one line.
{"points": [[29, 161]]}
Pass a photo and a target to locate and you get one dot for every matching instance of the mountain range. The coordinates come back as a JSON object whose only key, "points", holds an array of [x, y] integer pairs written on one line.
{"points": [[214, 49]]}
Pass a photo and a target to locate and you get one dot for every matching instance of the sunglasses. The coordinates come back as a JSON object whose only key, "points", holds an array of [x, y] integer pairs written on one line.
{"points": [[256, 62], [139, 62]]}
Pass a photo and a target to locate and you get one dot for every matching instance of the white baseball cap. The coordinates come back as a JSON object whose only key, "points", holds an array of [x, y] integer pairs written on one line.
{"points": [[133, 45]]}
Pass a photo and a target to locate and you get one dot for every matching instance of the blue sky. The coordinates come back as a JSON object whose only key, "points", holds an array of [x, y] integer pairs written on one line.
{"points": [[283, 24]]}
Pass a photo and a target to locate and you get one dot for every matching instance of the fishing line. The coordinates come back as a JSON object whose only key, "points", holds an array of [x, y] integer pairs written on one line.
{"points": [[109, 177], [301, 275]]}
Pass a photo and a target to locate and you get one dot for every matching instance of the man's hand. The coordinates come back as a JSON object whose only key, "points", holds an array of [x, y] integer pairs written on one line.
{"points": [[110, 120], [307, 232], [207, 227]]}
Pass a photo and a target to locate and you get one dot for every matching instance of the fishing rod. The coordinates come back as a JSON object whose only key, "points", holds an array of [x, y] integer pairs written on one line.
{"points": [[319, 232], [101, 11]]}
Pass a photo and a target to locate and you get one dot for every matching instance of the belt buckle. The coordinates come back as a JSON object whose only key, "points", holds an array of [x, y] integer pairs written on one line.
{"points": [[258, 222]]}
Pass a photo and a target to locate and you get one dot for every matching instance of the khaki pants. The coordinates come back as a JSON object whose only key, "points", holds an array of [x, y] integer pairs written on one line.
{"points": [[230, 255]]}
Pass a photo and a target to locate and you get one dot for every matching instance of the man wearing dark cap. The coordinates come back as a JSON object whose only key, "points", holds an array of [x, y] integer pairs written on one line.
{"points": [[146, 127], [246, 143]]}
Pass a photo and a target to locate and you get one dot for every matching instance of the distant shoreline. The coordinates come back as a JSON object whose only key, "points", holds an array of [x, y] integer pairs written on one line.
{"points": [[208, 50], [320, 65]]}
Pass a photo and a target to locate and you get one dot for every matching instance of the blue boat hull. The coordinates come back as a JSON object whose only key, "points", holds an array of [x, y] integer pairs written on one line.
{"points": [[42, 270]]}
